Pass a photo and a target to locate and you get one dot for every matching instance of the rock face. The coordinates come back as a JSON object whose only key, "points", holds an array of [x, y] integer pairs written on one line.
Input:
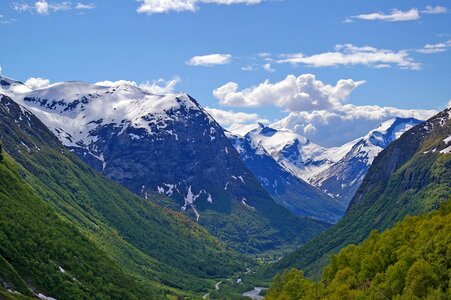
{"points": [[286, 189], [167, 144]]}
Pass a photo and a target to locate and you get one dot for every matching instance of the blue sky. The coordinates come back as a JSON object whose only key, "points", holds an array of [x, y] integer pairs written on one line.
{"points": [[110, 40]]}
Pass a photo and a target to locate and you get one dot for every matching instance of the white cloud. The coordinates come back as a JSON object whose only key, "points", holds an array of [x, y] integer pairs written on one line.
{"points": [[267, 67], [350, 55], [316, 110], [264, 54], [37, 83], [435, 48], [82, 6], [229, 117], [291, 94], [435, 10], [160, 86], [162, 6], [6, 21], [210, 60], [343, 123], [395, 15], [116, 83], [43, 7], [248, 68], [229, 2]]}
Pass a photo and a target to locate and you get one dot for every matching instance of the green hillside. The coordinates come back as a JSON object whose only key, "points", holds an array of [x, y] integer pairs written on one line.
{"points": [[160, 250], [409, 261], [411, 176], [35, 243]]}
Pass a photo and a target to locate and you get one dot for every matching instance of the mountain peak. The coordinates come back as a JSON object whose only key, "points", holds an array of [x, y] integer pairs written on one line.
{"points": [[8, 85]]}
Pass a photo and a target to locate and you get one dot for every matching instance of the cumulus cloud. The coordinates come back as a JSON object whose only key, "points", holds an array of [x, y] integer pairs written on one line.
{"points": [[37, 83], [43, 7], [343, 123], [291, 94], [315, 109], [229, 117], [210, 60], [162, 6], [351, 55], [159, 87]]}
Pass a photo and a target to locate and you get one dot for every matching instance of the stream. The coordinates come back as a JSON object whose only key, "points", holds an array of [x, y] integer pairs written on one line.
{"points": [[254, 294]]}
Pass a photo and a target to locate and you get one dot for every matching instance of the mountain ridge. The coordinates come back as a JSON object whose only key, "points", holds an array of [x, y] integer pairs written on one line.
{"points": [[163, 250], [168, 144], [336, 171], [285, 188]]}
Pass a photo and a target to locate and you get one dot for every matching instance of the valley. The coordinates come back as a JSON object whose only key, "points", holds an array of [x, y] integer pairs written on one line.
{"points": [[225, 150], [210, 213]]}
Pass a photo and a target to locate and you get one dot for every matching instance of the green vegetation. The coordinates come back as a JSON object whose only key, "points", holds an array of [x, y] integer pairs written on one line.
{"points": [[409, 177], [36, 242], [114, 243], [245, 229], [410, 261]]}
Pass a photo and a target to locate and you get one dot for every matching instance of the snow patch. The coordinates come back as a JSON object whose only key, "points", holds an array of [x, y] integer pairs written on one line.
{"points": [[446, 150], [44, 297], [244, 202]]}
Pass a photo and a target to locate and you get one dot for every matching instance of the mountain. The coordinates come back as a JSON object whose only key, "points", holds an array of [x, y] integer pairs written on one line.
{"points": [[407, 261], [40, 249], [286, 189], [68, 232], [409, 177], [167, 144], [337, 171], [343, 178]]}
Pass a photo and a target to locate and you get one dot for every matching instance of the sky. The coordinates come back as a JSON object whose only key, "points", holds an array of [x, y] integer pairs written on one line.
{"points": [[329, 70]]}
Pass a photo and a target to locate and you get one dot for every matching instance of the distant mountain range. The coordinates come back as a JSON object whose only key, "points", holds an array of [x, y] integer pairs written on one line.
{"points": [[286, 189], [338, 171], [166, 144]]}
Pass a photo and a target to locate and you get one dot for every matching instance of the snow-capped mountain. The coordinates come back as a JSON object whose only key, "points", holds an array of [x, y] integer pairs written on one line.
{"points": [[342, 179], [337, 171], [286, 189], [107, 126], [165, 144]]}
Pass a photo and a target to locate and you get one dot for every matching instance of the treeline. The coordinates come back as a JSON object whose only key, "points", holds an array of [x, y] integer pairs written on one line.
{"points": [[410, 261]]}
